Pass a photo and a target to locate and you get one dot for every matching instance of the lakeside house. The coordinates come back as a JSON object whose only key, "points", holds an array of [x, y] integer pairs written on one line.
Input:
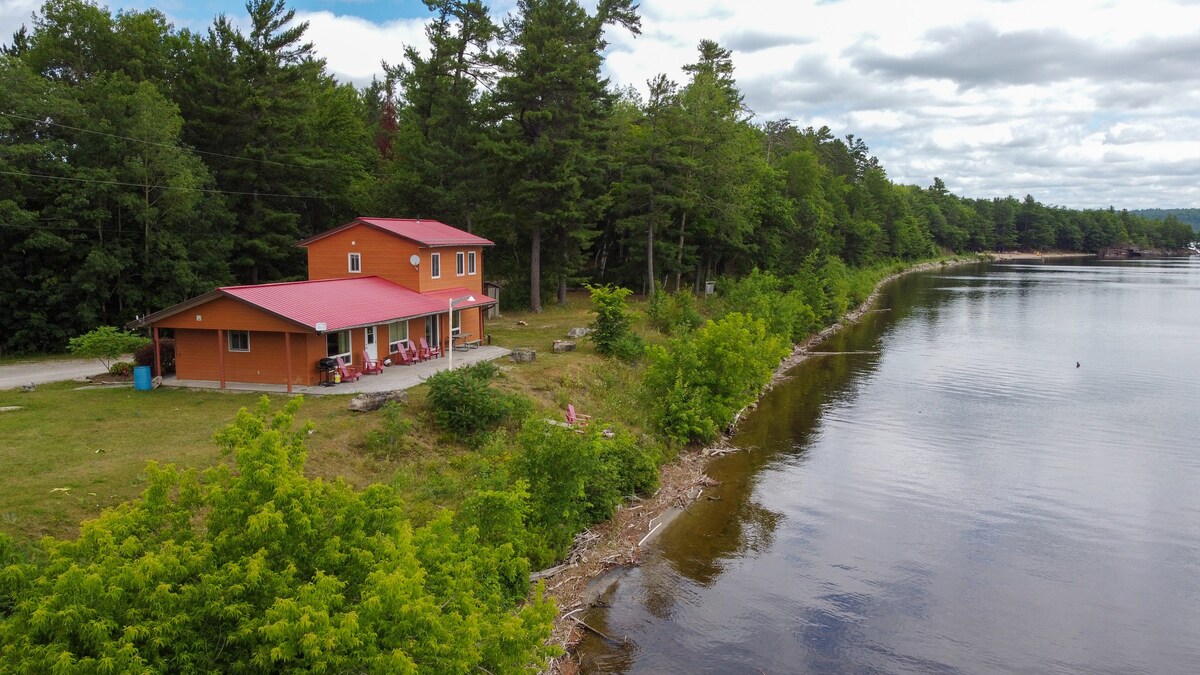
{"points": [[373, 283]]}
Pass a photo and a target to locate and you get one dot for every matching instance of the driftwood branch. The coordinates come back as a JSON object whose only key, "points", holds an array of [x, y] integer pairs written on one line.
{"points": [[610, 639]]}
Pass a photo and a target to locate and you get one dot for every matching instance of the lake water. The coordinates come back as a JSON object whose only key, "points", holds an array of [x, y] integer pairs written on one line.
{"points": [[962, 499]]}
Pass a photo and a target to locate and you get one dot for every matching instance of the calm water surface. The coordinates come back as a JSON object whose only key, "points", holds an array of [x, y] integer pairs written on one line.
{"points": [[964, 499]]}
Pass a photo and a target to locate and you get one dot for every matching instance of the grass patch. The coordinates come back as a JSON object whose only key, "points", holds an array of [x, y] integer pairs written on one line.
{"points": [[95, 443]]}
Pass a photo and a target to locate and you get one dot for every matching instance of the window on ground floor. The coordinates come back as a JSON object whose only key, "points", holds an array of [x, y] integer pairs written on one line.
{"points": [[337, 344], [456, 322], [239, 340], [397, 333]]}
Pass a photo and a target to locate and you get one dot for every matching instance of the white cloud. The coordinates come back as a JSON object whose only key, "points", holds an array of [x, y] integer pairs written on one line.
{"points": [[1081, 104], [354, 48], [14, 14]]}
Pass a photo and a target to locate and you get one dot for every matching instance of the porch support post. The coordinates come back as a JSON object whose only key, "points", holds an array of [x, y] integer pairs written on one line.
{"points": [[221, 355], [157, 353], [287, 354], [482, 325]]}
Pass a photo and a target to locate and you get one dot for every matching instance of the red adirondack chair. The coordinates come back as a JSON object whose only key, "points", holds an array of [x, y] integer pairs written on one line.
{"points": [[576, 419], [430, 352], [414, 353], [402, 355], [371, 366], [348, 373]]}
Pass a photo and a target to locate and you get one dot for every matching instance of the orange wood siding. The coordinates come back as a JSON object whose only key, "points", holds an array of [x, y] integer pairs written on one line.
{"points": [[449, 277], [471, 327], [197, 358], [226, 313], [383, 255]]}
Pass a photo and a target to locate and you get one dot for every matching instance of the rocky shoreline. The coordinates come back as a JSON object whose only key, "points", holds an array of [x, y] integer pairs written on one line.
{"points": [[618, 543]]}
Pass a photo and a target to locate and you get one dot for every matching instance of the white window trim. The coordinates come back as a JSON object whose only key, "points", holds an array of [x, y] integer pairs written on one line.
{"points": [[455, 330], [229, 340], [349, 347], [460, 263], [435, 265], [471, 263], [350, 259], [393, 343]]}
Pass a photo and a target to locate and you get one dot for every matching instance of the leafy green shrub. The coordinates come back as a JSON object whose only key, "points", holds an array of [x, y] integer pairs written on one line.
{"points": [[258, 568], [765, 296], [121, 369], [674, 313], [556, 464], [498, 518], [144, 355], [575, 479], [106, 344], [681, 415], [612, 328], [634, 465], [387, 441], [465, 403], [701, 380], [630, 347]]}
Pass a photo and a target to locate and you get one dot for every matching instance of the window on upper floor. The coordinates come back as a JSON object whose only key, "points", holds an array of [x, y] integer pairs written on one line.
{"points": [[460, 263], [471, 262], [355, 263], [435, 265]]}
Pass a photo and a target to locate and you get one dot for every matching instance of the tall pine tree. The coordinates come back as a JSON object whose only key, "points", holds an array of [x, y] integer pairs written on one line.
{"points": [[550, 106]]}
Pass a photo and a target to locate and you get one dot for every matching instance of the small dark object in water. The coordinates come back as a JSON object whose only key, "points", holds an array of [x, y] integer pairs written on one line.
{"points": [[1076, 364]]}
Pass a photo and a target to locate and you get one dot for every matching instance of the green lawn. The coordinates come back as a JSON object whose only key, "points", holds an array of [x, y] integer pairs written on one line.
{"points": [[69, 453]]}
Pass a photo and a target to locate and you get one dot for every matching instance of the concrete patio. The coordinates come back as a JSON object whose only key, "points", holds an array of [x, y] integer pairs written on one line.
{"points": [[393, 377]]}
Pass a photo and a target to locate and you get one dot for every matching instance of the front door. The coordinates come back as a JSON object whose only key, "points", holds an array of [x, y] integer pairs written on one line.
{"points": [[372, 350], [431, 330]]}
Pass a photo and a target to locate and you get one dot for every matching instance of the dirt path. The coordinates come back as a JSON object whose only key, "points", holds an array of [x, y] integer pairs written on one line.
{"points": [[14, 375]]}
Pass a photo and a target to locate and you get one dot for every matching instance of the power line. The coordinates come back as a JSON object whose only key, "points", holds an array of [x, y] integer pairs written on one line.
{"points": [[162, 187], [162, 145], [109, 231]]}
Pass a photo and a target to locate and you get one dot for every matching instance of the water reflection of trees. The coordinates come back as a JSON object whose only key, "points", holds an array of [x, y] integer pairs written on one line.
{"points": [[730, 521]]}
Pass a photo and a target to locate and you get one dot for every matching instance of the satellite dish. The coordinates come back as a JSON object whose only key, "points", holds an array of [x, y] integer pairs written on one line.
{"points": [[414, 259]]}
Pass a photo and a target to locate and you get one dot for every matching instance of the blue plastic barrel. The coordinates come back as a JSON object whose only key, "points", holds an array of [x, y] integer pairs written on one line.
{"points": [[141, 378]]}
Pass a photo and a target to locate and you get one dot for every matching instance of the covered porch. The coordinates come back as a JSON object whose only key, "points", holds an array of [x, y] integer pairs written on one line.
{"points": [[393, 378]]}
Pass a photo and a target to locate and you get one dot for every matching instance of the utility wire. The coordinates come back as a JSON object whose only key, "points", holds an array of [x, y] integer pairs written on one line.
{"points": [[162, 145], [109, 230], [162, 187]]}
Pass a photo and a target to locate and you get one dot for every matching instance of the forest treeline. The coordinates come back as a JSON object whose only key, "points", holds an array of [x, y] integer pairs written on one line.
{"points": [[143, 164], [1189, 216]]}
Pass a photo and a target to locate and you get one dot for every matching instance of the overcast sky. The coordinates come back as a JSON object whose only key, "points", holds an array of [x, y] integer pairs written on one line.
{"points": [[1081, 104]]}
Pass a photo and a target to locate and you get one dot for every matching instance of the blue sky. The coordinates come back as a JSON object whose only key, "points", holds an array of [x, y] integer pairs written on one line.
{"points": [[1080, 103], [200, 13]]}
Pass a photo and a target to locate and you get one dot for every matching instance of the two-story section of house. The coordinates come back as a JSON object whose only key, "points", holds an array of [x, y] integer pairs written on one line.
{"points": [[374, 284]]}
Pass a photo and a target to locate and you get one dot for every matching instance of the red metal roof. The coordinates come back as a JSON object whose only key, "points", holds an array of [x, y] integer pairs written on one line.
{"points": [[423, 232], [444, 296], [338, 303], [341, 303]]}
